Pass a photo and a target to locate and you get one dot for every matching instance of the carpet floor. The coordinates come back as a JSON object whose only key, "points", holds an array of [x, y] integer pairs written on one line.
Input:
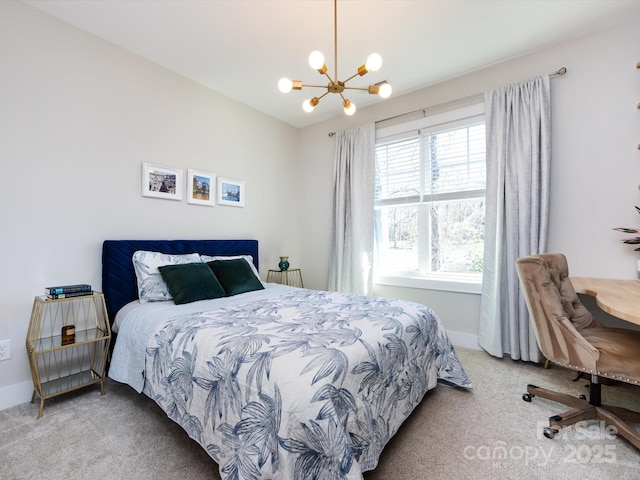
{"points": [[486, 433]]}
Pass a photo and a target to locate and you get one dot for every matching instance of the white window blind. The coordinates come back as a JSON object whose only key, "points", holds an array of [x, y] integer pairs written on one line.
{"points": [[429, 199]]}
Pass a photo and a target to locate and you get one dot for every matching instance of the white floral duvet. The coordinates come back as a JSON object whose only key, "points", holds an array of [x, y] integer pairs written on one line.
{"points": [[289, 383]]}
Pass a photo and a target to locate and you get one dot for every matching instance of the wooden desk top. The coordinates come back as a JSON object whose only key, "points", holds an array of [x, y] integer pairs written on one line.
{"points": [[620, 298]]}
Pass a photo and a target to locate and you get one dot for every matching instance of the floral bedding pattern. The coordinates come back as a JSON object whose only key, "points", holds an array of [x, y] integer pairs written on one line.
{"points": [[305, 385]]}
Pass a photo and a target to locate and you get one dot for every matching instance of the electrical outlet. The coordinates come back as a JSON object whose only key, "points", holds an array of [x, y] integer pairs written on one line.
{"points": [[5, 350]]}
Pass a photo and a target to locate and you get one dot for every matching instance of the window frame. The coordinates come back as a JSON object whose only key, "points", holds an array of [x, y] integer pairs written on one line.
{"points": [[446, 281]]}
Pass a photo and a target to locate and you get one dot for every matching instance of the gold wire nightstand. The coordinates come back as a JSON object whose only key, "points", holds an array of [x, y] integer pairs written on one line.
{"points": [[291, 277], [59, 366]]}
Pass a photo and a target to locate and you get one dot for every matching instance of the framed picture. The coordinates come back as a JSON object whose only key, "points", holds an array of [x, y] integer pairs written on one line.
{"points": [[230, 192], [201, 188], [161, 182]]}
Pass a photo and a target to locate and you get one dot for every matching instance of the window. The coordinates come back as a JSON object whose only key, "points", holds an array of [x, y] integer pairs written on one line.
{"points": [[430, 199]]}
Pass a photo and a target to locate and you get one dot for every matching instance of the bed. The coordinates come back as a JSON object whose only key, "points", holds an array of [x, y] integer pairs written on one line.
{"points": [[275, 382]]}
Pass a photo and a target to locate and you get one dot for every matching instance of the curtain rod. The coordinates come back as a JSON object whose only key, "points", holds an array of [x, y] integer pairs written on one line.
{"points": [[558, 73]]}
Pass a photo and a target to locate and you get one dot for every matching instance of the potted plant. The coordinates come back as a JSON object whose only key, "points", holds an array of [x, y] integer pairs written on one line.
{"points": [[631, 241]]}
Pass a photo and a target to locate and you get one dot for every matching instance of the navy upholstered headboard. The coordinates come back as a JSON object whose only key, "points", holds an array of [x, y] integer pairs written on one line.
{"points": [[118, 276]]}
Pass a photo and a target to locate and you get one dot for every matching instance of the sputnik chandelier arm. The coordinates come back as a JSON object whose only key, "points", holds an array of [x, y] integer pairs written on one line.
{"points": [[316, 61]]}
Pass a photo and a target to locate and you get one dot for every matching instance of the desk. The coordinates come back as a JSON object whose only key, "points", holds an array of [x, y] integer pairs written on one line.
{"points": [[620, 298]]}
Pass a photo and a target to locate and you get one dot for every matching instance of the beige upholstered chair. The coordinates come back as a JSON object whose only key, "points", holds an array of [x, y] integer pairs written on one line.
{"points": [[568, 335]]}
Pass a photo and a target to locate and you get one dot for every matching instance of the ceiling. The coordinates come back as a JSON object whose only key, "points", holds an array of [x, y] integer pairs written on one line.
{"points": [[241, 48]]}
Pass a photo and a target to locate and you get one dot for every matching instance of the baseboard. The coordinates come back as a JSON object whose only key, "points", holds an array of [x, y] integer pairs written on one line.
{"points": [[466, 340], [15, 394]]}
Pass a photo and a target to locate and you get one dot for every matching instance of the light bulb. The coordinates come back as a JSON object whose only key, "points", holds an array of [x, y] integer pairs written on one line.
{"points": [[385, 90], [307, 107], [310, 104], [316, 60], [349, 108], [285, 85], [374, 62]]}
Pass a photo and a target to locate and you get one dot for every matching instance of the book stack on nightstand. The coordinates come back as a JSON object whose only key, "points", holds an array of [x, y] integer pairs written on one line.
{"points": [[68, 291]]}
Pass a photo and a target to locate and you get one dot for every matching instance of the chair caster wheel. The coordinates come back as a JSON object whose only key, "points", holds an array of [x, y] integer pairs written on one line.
{"points": [[527, 397], [577, 377], [549, 432]]}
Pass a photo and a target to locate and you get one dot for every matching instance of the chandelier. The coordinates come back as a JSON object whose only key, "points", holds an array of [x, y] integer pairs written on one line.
{"points": [[316, 61]]}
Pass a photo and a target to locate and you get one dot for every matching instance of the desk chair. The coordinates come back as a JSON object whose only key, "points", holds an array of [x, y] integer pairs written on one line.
{"points": [[569, 336]]}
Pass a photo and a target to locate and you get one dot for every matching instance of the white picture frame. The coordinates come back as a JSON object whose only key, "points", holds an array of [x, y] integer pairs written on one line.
{"points": [[230, 192], [161, 182], [201, 188]]}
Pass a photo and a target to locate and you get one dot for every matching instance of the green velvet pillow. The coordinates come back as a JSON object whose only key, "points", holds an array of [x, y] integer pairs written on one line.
{"points": [[190, 282], [235, 276]]}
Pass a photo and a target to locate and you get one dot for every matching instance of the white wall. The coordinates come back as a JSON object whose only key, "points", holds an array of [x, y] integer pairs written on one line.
{"points": [[78, 116], [595, 162]]}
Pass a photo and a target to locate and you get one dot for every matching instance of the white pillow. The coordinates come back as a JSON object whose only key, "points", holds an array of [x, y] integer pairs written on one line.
{"points": [[151, 286], [248, 258]]}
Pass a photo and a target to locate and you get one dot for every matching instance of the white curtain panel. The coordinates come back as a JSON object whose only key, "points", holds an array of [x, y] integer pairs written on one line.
{"points": [[517, 211], [353, 190]]}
